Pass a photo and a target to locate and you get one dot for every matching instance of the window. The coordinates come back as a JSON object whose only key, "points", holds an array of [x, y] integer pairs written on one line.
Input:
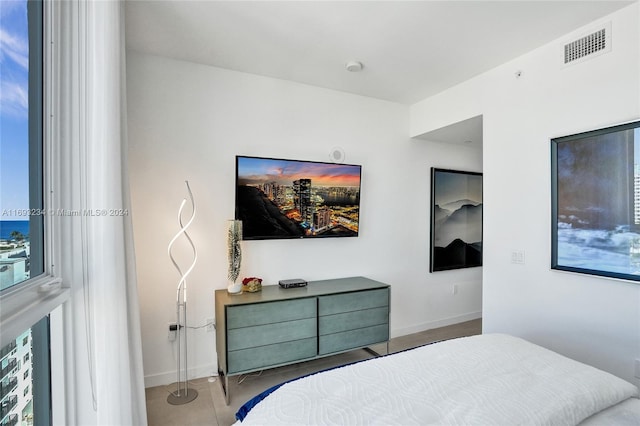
{"points": [[21, 222], [24, 348]]}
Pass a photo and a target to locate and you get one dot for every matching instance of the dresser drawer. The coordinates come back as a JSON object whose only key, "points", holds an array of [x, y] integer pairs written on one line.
{"points": [[351, 339], [272, 355], [270, 312], [355, 301], [261, 335], [353, 320]]}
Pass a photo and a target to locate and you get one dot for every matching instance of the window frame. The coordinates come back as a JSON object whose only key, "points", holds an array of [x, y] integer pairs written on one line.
{"points": [[28, 304], [24, 304]]}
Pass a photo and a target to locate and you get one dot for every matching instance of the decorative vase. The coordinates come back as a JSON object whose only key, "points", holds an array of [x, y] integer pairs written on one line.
{"points": [[234, 288], [234, 236]]}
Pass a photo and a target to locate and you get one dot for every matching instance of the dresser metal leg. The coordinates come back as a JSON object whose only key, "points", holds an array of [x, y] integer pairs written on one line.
{"points": [[224, 383], [227, 395]]}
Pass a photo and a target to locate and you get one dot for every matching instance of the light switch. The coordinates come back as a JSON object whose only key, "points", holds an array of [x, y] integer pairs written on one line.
{"points": [[517, 256]]}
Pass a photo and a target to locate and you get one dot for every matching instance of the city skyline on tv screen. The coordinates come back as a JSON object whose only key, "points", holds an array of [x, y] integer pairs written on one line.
{"points": [[278, 198]]}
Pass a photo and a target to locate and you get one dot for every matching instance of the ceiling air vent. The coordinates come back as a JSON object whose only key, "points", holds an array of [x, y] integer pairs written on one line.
{"points": [[590, 45]]}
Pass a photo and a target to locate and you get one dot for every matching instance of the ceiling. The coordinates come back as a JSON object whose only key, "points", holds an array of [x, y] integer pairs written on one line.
{"points": [[410, 49]]}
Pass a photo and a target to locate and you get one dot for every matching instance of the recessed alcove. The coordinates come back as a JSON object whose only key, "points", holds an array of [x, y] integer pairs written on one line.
{"points": [[467, 132]]}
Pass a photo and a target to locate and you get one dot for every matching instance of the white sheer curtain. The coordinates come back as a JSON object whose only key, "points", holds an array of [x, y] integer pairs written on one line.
{"points": [[102, 345]]}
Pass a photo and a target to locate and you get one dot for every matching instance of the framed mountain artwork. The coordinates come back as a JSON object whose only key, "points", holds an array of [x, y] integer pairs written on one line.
{"points": [[456, 219]]}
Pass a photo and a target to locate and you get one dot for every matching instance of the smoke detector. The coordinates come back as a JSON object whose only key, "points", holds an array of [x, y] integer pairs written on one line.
{"points": [[354, 66]]}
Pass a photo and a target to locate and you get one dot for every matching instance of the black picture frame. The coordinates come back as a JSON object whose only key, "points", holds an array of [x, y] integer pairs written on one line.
{"points": [[292, 199], [595, 202], [456, 219]]}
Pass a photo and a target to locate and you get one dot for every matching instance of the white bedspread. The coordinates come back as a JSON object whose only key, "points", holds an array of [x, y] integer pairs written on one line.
{"points": [[480, 380]]}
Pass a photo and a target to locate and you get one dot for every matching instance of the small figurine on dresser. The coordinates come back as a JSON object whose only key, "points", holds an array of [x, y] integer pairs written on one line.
{"points": [[252, 284]]}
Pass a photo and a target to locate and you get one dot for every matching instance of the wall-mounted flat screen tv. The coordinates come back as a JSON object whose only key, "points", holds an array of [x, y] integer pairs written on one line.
{"points": [[595, 202], [277, 198]]}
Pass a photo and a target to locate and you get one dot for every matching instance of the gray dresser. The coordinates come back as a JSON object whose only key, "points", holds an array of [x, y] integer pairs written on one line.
{"points": [[276, 326]]}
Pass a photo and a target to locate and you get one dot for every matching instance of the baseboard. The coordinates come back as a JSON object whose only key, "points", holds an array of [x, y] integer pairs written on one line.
{"points": [[435, 324], [170, 377]]}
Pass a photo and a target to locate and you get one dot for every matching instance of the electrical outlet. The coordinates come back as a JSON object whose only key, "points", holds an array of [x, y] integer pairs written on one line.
{"points": [[637, 373], [454, 289], [210, 325], [173, 330]]}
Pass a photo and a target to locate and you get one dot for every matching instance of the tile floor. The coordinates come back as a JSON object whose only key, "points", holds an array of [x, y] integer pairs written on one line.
{"points": [[209, 408]]}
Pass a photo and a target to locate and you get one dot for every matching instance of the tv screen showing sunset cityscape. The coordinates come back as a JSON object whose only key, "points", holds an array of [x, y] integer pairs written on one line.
{"points": [[278, 198]]}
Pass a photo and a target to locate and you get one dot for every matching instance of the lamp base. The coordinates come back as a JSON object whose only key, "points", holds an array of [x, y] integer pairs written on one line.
{"points": [[185, 396]]}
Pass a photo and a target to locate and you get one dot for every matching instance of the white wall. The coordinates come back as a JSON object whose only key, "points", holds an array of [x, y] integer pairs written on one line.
{"points": [[592, 319], [188, 121]]}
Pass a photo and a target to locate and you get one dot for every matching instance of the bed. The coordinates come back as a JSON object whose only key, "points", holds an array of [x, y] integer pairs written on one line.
{"points": [[491, 379]]}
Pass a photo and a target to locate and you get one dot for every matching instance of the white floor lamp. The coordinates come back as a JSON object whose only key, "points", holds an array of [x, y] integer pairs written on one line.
{"points": [[183, 394]]}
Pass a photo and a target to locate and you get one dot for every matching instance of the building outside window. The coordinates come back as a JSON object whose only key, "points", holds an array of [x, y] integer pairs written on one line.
{"points": [[15, 396]]}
